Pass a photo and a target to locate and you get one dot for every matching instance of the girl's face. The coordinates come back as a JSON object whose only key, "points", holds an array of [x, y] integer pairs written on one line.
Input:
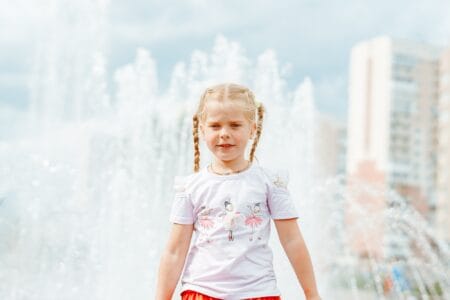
{"points": [[226, 131]]}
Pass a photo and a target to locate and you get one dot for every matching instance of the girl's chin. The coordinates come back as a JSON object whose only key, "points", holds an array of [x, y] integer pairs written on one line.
{"points": [[226, 158]]}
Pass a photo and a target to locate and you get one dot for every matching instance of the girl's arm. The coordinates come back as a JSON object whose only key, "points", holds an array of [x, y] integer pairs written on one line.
{"points": [[293, 244], [172, 260]]}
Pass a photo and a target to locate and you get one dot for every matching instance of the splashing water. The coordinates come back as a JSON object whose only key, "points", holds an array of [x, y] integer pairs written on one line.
{"points": [[85, 195]]}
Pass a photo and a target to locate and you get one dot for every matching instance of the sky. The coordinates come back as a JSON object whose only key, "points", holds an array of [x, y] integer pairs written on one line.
{"points": [[311, 38]]}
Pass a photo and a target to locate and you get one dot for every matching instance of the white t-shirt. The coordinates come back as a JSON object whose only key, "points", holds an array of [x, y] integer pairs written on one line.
{"points": [[229, 257]]}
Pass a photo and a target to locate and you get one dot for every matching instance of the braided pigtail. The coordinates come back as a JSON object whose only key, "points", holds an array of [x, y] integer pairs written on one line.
{"points": [[260, 111], [195, 122]]}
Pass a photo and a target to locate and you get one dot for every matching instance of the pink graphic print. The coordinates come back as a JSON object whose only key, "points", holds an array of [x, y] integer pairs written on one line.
{"points": [[206, 222], [254, 218], [204, 218], [230, 218]]}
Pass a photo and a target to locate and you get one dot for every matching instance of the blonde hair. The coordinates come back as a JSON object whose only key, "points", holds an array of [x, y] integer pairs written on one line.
{"points": [[253, 111]]}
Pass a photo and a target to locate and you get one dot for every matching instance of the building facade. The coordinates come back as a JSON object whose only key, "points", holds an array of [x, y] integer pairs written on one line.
{"points": [[392, 128], [443, 165]]}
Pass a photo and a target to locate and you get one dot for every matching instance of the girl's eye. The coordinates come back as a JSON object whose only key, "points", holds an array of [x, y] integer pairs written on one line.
{"points": [[235, 125]]}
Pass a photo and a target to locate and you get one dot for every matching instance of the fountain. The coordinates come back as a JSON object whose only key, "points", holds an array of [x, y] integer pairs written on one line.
{"points": [[85, 194]]}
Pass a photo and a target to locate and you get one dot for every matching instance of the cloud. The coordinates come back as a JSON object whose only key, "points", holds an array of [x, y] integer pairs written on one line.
{"points": [[153, 22], [12, 79], [314, 37]]}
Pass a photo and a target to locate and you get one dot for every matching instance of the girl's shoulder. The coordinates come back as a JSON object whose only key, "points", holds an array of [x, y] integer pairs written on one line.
{"points": [[275, 176], [182, 182]]}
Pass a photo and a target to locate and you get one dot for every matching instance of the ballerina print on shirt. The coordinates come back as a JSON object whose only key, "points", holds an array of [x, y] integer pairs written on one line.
{"points": [[206, 222], [230, 218], [254, 219]]}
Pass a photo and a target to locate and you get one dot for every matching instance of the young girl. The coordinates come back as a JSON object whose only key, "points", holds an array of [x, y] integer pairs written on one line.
{"points": [[229, 204]]}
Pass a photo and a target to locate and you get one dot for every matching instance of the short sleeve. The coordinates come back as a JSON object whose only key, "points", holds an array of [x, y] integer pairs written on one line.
{"points": [[182, 208], [279, 199]]}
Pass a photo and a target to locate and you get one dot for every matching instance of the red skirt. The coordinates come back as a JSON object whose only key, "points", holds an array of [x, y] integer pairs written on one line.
{"points": [[193, 295]]}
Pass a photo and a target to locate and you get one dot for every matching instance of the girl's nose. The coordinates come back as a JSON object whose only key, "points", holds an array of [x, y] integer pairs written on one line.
{"points": [[224, 132]]}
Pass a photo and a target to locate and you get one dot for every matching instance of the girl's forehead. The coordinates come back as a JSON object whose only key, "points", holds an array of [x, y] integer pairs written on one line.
{"points": [[223, 110]]}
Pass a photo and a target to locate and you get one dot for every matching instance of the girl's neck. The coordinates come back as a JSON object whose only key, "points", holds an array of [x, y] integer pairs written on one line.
{"points": [[220, 167]]}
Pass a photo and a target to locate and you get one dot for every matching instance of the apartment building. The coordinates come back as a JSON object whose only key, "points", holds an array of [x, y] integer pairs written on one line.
{"points": [[443, 151], [392, 130]]}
